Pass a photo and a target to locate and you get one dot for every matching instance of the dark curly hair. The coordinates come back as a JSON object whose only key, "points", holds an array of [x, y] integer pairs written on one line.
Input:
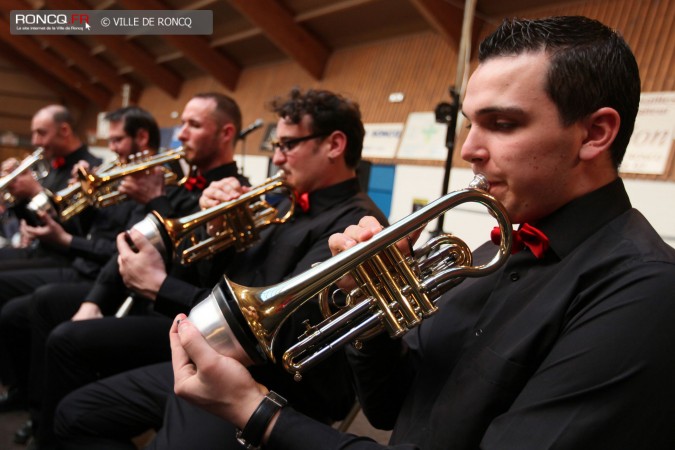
{"points": [[329, 112]]}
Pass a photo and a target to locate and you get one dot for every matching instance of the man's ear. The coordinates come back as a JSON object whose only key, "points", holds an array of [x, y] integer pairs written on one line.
{"points": [[64, 129], [601, 127], [142, 138], [227, 131], [338, 144]]}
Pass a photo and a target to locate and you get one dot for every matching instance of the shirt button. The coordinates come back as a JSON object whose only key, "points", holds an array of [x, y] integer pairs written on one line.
{"points": [[479, 332], [514, 276]]}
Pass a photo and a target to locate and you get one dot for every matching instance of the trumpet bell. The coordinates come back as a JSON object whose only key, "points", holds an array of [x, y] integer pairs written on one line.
{"points": [[41, 203], [151, 228], [217, 318]]}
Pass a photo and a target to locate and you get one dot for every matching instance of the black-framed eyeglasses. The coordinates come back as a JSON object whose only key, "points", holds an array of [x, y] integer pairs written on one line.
{"points": [[289, 144]]}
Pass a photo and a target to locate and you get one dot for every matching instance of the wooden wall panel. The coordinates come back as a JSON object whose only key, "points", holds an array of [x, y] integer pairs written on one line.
{"points": [[647, 26], [420, 65]]}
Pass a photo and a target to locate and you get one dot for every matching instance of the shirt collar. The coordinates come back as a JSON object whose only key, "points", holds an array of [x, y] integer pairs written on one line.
{"points": [[220, 172], [573, 223], [326, 198]]}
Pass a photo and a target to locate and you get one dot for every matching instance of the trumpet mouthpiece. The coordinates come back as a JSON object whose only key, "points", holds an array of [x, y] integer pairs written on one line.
{"points": [[479, 182]]}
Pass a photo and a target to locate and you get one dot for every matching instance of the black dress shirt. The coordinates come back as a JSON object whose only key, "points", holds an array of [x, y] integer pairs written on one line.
{"points": [[92, 252], [571, 351], [58, 178]]}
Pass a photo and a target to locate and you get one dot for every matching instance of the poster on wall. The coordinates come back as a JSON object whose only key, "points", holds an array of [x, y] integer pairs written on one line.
{"points": [[423, 138], [381, 139], [651, 144]]}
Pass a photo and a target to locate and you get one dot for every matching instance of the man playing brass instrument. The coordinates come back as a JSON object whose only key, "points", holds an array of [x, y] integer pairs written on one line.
{"points": [[569, 344], [320, 137], [211, 122], [21, 289], [51, 129]]}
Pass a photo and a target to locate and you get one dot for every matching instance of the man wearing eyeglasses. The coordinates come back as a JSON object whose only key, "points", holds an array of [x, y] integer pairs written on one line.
{"points": [[320, 136]]}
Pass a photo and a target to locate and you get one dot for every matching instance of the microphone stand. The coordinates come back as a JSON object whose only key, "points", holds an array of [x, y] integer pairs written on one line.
{"points": [[447, 113], [242, 137]]}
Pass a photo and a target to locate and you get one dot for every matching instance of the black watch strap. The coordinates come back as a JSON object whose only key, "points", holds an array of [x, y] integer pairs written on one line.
{"points": [[252, 434]]}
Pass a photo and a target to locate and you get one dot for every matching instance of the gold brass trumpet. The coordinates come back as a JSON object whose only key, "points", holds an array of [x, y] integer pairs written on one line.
{"points": [[35, 162], [103, 187], [242, 220], [65, 204], [393, 293]]}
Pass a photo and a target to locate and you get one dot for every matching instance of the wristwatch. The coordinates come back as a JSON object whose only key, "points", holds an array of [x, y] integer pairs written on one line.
{"points": [[252, 434]]}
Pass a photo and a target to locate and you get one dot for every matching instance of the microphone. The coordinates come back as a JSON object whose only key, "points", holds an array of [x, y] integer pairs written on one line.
{"points": [[254, 126]]}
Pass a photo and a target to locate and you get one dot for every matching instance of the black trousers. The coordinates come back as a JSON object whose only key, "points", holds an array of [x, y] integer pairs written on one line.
{"points": [[17, 289], [31, 258], [85, 419], [78, 353]]}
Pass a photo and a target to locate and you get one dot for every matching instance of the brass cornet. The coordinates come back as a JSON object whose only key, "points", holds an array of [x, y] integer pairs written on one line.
{"points": [[103, 187], [393, 293], [34, 162], [65, 204], [242, 219]]}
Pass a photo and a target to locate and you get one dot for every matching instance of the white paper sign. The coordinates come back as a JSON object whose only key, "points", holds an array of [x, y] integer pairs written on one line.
{"points": [[649, 148], [423, 138], [381, 140]]}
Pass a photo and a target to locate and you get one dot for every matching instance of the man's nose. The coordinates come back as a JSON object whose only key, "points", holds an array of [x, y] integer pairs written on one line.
{"points": [[279, 157], [182, 134], [473, 150]]}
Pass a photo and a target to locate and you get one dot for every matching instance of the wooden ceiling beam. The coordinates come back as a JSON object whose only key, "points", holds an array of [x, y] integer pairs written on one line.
{"points": [[32, 50], [195, 48], [104, 72], [62, 90], [280, 27], [137, 57], [443, 17], [331, 8]]}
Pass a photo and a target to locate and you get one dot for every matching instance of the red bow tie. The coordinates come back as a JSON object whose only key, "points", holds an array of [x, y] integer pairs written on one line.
{"points": [[525, 236], [196, 182], [58, 162], [303, 201]]}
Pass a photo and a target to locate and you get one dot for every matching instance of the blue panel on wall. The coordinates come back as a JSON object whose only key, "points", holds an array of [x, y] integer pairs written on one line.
{"points": [[381, 186], [169, 137]]}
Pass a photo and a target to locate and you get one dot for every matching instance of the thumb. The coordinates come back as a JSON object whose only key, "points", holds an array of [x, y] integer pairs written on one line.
{"points": [[46, 218], [195, 345], [138, 241]]}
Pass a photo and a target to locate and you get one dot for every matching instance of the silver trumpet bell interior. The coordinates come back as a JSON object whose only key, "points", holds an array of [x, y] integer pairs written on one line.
{"points": [[394, 292]]}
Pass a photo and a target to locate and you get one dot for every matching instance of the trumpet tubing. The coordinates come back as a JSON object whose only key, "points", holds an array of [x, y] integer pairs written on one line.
{"points": [[66, 203], [71, 201], [240, 222], [394, 292], [102, 188]]}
